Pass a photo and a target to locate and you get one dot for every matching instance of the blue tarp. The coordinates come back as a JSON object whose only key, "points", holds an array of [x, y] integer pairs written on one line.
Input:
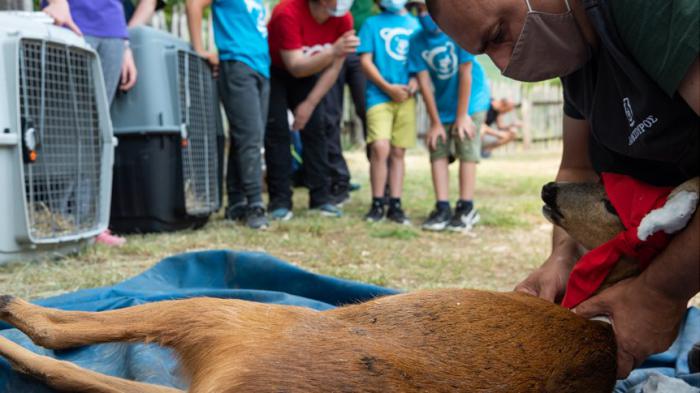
{"points": [[226, 274]]}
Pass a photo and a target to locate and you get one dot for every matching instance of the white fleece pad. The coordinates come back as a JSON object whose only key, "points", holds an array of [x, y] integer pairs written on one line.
{"points": [[671, 217]]}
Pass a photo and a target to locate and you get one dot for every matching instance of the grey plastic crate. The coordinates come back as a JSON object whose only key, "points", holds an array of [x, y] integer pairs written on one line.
{"points": [[175, 94], [56, 143]]}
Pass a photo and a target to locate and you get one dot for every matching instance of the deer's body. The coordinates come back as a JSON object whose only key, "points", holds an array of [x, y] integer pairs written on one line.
{"points": [[450, 340]]}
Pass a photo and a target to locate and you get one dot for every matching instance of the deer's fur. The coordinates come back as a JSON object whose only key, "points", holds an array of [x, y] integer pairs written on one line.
{"points": [[429, 341]]}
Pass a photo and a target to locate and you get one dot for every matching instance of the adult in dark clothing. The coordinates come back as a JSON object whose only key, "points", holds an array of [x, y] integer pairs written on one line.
{"points": [[631, 76]]}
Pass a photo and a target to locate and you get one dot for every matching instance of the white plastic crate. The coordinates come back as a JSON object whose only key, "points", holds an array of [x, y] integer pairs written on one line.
{"points": [[56, 143]]}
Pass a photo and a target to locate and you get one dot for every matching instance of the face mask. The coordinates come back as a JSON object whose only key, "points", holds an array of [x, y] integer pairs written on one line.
{"points": [[341, 8], [549, 46], [393, 6], [428, 24]]}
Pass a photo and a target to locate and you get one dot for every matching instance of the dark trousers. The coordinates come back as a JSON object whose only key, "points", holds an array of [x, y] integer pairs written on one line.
{"points": [[355, 78], [339, 171], [286, 92], [245, 95]]}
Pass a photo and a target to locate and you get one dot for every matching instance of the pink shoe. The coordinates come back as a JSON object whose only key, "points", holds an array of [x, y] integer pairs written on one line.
{"points": [[108, 239]]}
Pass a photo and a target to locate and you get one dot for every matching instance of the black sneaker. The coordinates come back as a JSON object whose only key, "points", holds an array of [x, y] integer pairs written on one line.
{"points": [[463, 219], [376, 213], [236, 212], [340, 193], [438, 220], [396, 214], [255, 218]]}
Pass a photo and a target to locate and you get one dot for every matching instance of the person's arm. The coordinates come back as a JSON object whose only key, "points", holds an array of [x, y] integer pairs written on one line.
{"points": [[690, 86], [549, 281], [300, 65], [195, 11], [143, 13], [59, 10], [437, 130], [303, 112], [464, 125], [397, 93], [646, 311]]}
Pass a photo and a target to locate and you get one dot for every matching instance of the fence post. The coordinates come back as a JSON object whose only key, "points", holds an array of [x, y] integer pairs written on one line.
{"points": [[526, 111]]}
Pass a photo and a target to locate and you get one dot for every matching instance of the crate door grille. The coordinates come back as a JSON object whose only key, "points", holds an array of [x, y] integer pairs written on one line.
{"points": [[199, 153], [58, 104]]}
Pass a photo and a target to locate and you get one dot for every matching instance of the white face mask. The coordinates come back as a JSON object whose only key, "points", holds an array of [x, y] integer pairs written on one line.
{"points": [[341, 8]]}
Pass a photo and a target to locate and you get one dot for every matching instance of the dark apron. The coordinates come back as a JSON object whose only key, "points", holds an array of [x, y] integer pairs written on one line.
{"points": [[636, 128]]}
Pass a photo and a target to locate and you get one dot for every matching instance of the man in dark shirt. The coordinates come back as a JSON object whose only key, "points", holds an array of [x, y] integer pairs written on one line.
{"points": [[631, 77]]}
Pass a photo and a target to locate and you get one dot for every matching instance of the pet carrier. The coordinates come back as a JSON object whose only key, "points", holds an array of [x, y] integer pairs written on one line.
{"points": [[56, 144], [167, 173]]}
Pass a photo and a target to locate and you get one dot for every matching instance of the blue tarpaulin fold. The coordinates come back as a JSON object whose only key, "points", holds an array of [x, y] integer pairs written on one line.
{"points": [[226, 274]]}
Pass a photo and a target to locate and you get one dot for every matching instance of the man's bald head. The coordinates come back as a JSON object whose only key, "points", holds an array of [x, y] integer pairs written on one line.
{"points": [[487, 26]]}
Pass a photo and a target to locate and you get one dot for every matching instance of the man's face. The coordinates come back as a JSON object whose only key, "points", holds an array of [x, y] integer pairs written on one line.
{"points": [[488, 26]]}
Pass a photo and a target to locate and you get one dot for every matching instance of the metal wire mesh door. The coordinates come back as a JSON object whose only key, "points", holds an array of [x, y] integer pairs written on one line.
{"points": [[61, 134], [199, 129]]}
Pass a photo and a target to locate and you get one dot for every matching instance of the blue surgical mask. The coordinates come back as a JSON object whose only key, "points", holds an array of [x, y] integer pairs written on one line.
{"points": [[342, 7], [428, 24], [393, 6]]}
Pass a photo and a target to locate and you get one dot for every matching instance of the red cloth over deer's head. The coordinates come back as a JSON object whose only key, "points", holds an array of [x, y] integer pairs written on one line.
{"points": [[633, 200]]}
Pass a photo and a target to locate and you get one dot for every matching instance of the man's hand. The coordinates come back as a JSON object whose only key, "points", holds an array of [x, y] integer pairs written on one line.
{"points": [[59, 10], [302, 114], [645, 321], [464, 127], [437, 132], [129, 72], [347, 44], [549, 280], [213, 59], [398, 93]]}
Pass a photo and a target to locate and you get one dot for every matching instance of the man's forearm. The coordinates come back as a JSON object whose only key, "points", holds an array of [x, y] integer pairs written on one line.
{"points": [[302, 66], [675, 272], [325, 82]]}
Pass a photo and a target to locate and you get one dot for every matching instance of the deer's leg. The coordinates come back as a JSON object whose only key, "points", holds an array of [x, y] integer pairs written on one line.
{"points": [[162, 322], [67, 377]]}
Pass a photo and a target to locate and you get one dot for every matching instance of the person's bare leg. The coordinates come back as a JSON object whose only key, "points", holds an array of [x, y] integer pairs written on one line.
{"points": [[467, 180], [441, 179], [67, 377], [379, 154], [398, 168]]}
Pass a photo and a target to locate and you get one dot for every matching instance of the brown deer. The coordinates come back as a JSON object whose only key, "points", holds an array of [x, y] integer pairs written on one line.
{"points": [[439, 341]]}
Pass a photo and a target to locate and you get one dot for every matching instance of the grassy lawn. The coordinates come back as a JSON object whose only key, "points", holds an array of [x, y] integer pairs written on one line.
{"points": [[511, 239]]}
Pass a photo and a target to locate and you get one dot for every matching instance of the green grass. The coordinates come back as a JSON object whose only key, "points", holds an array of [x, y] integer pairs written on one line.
{"points": [[511, 240]]}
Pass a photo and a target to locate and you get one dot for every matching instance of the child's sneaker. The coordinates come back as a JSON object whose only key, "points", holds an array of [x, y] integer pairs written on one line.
{"points": [[376, 212], [281, 214], [396, 214], [438, 220], [464, 219], [328, 210], [255, 218]]}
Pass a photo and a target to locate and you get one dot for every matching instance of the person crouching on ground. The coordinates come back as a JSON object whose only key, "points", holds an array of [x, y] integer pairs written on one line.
{"points": [[241, 38], [391, 113], [457, 107], [495, 131], [309, 40]]}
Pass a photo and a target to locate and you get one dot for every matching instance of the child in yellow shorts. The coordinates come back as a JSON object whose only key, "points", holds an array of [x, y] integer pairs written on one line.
{"points": [[391, 114]]}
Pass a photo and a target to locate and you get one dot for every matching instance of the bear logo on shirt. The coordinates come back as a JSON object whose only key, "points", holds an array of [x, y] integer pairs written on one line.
{"points": [[442, 60], [257, 6], [396, 41]]}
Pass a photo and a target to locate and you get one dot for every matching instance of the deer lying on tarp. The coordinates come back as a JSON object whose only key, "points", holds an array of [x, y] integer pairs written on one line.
{"points": [[440, 340]]}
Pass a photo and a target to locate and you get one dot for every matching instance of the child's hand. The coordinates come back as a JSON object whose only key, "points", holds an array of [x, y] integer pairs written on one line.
{"points": [[302, 114], [464, 127], [213, 60], [436, 133], [412, 86], [347, 44], [398, 93]]}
